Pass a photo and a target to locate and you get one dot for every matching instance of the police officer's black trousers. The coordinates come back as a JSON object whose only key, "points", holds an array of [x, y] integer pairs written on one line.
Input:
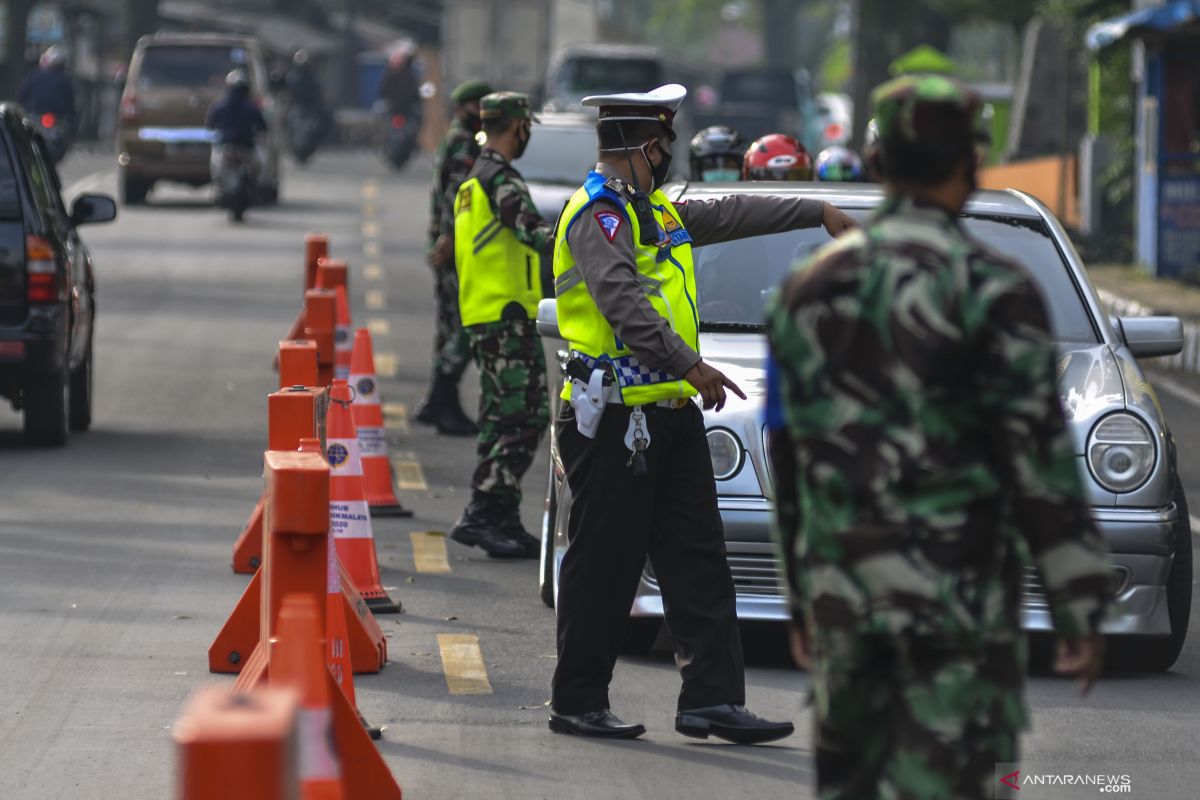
{"points": [[616, 521]]}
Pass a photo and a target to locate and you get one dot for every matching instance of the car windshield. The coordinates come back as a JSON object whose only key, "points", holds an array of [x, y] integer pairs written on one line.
{"points": [[733, 279], [188, 65], [559, 154], [10, 203], [583, 76]]}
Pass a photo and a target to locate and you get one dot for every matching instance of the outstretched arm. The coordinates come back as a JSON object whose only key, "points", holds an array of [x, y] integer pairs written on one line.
{"points": [[742, 215]]}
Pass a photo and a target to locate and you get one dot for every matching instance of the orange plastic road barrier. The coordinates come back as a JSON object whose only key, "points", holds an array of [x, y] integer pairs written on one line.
{"points": [[316, 247], [372, 441], [234, 746], [363, 641], [297, 363], [320, 319], [349, 514], [334, 274], [337, 759], [292, 413]]}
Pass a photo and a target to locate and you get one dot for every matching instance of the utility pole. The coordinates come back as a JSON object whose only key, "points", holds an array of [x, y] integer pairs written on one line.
{"points": [[14, 46]]}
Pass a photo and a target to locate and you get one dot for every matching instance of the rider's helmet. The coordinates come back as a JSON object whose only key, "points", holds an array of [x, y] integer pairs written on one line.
{"points": [[237, 80], [716, 154], [300, 58], [54, 56], [839, 164], [777, 157]]}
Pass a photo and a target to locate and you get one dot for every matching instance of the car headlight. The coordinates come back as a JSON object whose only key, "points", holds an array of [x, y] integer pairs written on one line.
{"points": [[1120, 452], [726, 453]]}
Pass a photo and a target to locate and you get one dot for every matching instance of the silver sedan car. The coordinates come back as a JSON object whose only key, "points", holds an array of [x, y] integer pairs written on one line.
{"points": [[1125, 448]]}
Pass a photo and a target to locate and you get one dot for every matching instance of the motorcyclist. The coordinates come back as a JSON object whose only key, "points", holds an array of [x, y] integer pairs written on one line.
{"points": [[716, 154], [399, 87], [777, 157], [236, 121], [302, 85], [47, 89], [837, 163]]}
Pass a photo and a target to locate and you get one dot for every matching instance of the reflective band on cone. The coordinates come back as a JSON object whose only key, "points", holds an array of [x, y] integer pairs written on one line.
{"points": [[372, 441], [349, 516]]}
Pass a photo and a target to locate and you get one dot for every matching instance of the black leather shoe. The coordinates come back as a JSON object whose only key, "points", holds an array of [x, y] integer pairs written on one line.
{"points": [[731, 723], [601, 724], [475, 532], [513, 529], [451, 419]]}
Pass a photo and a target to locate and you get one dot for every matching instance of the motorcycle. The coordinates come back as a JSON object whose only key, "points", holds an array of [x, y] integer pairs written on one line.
{"points": [[54, 133], [400, 138], [304, 129], [235, 171]]}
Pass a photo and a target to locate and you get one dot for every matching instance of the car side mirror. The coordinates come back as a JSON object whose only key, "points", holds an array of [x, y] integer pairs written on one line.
{"points": [[1150, 337], [91, 208], [547, 319]]}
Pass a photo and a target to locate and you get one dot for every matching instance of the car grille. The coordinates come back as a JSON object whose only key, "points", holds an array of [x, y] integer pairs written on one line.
{"points": [[754, 575]]}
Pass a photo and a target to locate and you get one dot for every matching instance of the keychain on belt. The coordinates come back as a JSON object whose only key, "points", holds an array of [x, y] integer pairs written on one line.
{"points": [[637, 439]]}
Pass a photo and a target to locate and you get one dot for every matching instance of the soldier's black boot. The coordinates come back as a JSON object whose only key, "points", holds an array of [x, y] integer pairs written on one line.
{"points": [[428, 413], [451, 419], [479, 526], [512, 528]]}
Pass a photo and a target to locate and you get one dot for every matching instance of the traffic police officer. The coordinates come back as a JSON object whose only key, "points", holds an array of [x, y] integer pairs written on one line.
{"points": [[631, 439], [499, 240], [917, 435], [455, 156]]}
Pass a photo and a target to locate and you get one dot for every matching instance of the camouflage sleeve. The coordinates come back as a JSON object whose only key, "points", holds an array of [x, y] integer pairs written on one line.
{"points": [[741, 215], [1016, 380], [460, 158], [510, 197]]}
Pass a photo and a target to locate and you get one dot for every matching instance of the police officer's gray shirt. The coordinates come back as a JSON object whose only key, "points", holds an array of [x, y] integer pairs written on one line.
{"points": [[609, 268]]}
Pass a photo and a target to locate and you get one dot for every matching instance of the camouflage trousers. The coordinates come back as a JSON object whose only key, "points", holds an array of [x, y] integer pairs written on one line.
{"points": [[451, 352], [909, 719], [513, 407]]}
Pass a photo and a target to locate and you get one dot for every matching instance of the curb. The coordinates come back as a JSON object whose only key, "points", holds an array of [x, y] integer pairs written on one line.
{"points": [[1186, 361]]}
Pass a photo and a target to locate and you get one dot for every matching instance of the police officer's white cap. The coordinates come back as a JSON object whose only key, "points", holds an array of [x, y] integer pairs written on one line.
{"points": [[658, 104]]}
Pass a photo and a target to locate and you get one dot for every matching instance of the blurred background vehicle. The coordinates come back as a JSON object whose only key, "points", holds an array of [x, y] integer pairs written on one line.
{"points": [[173, 80], [582, 70], [761, 100], [47, 288]]}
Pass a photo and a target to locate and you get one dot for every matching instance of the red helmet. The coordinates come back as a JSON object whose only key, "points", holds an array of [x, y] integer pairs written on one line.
{"points": [[777, 157]]}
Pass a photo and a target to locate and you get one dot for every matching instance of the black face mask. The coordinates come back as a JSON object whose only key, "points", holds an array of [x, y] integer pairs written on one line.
{"points": [[659, 173], [522, 144]]}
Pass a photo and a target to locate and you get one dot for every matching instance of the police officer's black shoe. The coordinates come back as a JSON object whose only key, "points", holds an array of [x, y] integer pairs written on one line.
{"points": [[731, 723], [474, 531], [602, 724]]}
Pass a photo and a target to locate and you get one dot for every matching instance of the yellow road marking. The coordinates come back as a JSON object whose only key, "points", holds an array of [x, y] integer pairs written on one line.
{"points": [[375, 300], [369, 209], [429, 551], [379, 327], [462, 661], [370, 189], [409, 474], [373, 272], [385, 365], [370, 229], [395, 418], [371, 249]]}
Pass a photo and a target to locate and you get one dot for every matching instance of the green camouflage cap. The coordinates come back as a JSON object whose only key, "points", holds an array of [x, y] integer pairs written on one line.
{"points": [[467, 91], [925, 109], [512, 105]]}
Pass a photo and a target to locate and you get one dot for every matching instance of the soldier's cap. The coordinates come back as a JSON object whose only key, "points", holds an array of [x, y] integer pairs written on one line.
{"points": [[467, 91], [511, 105], [926, 109], [659, 105]]}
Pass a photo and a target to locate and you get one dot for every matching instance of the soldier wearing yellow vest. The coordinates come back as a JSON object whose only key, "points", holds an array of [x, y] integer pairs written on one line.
{"points": [[641, 477], [499, 238]]}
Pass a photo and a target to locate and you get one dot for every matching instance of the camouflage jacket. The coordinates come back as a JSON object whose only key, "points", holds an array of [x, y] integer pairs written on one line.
{"points": [[452, 162], [928, 453], [510, 198]]}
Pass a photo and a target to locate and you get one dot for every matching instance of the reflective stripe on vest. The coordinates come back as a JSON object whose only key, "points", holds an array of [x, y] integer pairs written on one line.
{"points": [[494, 267], [665, 274]]}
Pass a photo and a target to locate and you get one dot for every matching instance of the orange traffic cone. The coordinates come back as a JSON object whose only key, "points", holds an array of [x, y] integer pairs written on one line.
{"points": [[316, 247], [372, 442], [349, 514]]}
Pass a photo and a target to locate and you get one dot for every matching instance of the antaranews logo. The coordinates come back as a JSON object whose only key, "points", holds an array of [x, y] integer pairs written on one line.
{"points": [[1011, 781]]}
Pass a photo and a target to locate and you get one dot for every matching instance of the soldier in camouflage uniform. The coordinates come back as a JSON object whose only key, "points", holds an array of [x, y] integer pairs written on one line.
{"points": [[921, 453], [499, 242], [452, 162]]}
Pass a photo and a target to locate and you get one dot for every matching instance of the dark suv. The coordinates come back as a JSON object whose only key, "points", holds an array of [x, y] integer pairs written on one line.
{"points": [[47, 291]]}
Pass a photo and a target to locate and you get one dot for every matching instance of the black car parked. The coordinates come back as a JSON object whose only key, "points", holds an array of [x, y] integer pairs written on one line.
{"points": [[47, 290]]}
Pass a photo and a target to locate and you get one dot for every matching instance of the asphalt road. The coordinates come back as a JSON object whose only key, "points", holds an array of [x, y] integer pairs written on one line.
{"points": [[114, 551]]}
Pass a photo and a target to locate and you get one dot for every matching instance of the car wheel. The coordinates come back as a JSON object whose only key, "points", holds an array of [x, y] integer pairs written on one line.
{"points": [[1159, 654], [45, 403], [546, 584], [133, 191], [80, 394], [640, 636]]}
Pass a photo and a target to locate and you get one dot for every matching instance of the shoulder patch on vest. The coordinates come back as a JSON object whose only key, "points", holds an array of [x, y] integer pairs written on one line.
{"points": [[609, 222]]}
